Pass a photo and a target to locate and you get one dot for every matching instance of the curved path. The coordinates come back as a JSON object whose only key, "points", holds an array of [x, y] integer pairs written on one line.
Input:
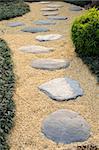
{"points": [[32, 106]]}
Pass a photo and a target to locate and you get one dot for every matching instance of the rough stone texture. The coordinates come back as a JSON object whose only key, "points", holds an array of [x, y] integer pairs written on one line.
{"points": [[35, 49], [44, 22], [55, 13], [49, 37], [15, 24], [66, 126], [61, 89], [75, 8], [49, 9], [50, 64], [34, 30], [57, 18], [55, 6]]}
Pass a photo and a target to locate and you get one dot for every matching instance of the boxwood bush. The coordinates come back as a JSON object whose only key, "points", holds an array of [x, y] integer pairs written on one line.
{"points": [[7, 80], [12, 9], [85, 33], [85, 36]]}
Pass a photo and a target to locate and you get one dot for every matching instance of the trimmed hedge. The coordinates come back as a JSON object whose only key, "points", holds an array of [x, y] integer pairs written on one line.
{"points": [[79, 2], [7, 106], [85, 33], [85, 36], [11, 10]]}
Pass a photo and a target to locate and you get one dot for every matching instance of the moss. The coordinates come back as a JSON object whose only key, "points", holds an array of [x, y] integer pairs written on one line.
{"points": [[7, 106]]}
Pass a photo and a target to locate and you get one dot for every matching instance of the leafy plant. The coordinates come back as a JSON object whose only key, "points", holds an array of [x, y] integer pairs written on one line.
{"points": [[10, 10], [7, 106], [85, 33], [85, 36]]}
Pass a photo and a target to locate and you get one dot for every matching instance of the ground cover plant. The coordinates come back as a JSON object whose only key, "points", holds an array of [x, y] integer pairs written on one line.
{"points": [[12, 9], [85, 36], [7, 80]]}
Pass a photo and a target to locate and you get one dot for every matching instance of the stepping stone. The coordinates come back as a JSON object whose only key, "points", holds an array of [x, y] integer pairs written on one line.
{"points": [[35, 49], [57, 18], [45, 2], [15, 24], [50, 64], [55, 6], [49, 9], [34, 30], [75, 8], [49, 37], [44, 22], [55, 13], [65, 126], [61, 89]]}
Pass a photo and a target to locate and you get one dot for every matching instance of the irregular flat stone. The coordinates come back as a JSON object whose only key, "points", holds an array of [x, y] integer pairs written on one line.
{"points": [[65, 126], [35, 30], [55, 6], [45, 2], [57, 18], [49, 9], [35, 49], [61, 89], [50, 64], [49, 37], [15, 24], [44, 22], [55, 13], [75, 8]]}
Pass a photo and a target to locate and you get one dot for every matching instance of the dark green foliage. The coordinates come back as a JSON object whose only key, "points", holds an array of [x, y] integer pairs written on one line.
{"points": [[10, 10], [85, 33], [85, 36], [78, 2], [7, 107]]}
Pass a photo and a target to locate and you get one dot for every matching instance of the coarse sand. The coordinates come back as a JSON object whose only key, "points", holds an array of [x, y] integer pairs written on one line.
{"points": [[32, 106]]}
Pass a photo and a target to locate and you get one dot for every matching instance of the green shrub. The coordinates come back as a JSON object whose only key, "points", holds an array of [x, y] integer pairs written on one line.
{"points": [[78, 2], [7, 107], [85, 33], [10, 10]]}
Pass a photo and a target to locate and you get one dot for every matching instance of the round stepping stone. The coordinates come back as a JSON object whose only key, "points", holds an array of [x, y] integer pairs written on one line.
{"points": [[50, 64], [49, 9], [55, 13], [61, 89], [75, 8], [57, 18], [49, 37], [15, 24], [65, 126], [34, 30], [44, 22], [55, 6], [35, 49]]}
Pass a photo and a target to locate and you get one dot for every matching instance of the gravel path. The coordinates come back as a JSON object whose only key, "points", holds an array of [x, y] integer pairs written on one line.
{"points": [[32, 106]]}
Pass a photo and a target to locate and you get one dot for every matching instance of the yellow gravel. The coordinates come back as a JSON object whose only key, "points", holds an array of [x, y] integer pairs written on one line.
{"points": [[32, 106]]}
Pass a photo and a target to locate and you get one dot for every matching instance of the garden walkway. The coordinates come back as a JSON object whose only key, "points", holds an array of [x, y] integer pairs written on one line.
{"points": [[39, 59]]}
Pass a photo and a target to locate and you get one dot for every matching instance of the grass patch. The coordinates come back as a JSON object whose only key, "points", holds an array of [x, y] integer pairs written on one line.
{"points": [[11, 10], [7, 106]]}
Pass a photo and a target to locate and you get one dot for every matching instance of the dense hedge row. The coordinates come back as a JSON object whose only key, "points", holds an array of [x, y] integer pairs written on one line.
{"points": [[79, 2], [85, 36], [10, 10], [7, 80]]}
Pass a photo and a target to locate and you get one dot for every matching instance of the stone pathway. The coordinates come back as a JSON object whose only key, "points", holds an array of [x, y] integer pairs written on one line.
{"points": [[58, 74]]}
